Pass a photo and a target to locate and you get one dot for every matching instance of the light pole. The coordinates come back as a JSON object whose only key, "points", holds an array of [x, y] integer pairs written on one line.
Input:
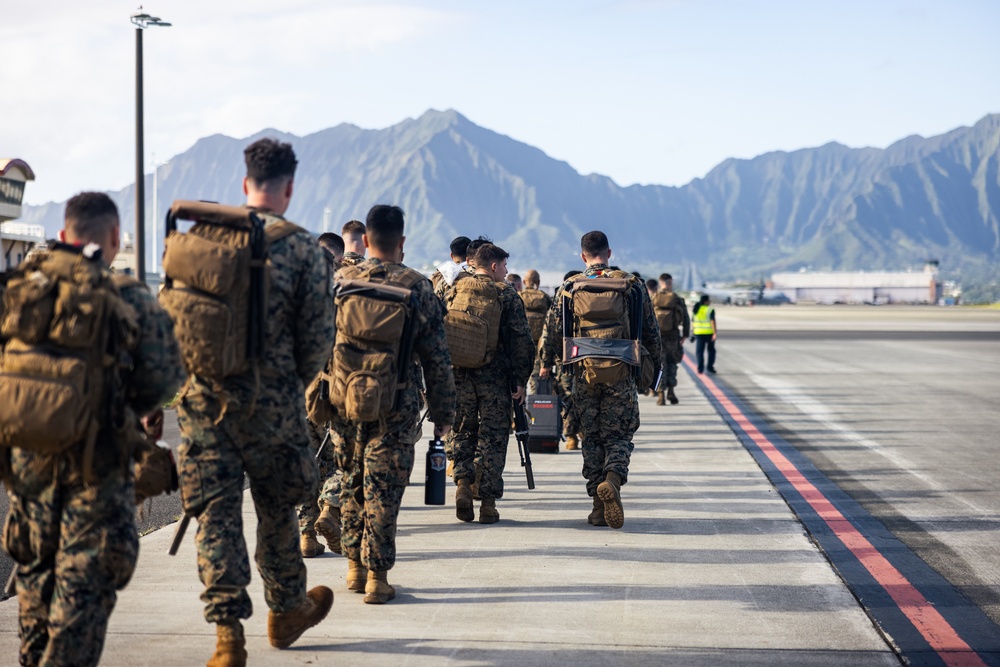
{"points": [[156, 208], [141, 22]]}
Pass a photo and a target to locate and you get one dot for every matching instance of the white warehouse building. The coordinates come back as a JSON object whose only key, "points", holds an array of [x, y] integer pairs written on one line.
{"points": [[861, 286]]}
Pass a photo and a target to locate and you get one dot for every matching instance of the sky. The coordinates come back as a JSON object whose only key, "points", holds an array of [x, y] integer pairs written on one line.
{"points": [[643, 91]]}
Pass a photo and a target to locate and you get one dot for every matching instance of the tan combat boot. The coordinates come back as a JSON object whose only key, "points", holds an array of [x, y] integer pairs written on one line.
{"points": [[596, 516], [230, 648], [672, 397], [378, 590], [463, 501], [571, 442], [610, 492], [477, 483], [284, 628], [488, 511], [659, 398], [357, 575], [450, 470], [328, 525], [311, 547]]}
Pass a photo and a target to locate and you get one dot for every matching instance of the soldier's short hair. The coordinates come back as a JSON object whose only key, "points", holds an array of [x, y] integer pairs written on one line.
{"points": [[270, 160], [513, 278], [355, 227], [384, 227], [332, 243], [652, 285], [531, 278], [460, 247], [594, 244], [664, 277], [473, 248], [89, 215], [489, 253]]}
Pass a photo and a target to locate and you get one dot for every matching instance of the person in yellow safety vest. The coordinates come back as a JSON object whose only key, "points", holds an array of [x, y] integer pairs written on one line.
{"points": [[704, 333]]}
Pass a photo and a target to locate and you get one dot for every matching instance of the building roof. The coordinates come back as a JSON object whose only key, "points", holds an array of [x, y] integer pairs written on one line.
{"points": [[9, 163]]}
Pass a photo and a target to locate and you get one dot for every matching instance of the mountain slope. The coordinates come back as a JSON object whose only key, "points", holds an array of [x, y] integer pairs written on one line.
{"points": [[829, 207]]}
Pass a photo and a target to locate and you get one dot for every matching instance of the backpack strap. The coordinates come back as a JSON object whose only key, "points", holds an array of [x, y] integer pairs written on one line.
{"points": [[279, 229]]}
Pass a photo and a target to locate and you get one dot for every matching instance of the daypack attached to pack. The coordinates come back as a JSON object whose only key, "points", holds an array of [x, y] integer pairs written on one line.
{"points": [[472, 323], [535, 310], [601, 326], [664, 308], [68, 333], [215, 288], [374, 346]]}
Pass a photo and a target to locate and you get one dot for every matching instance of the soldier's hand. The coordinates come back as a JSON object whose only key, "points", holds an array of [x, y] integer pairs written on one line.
{"points": [[544, 373], [152, 424], [518, 395], [441, 431]]}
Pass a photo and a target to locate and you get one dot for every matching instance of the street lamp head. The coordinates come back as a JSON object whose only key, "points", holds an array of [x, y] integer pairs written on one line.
{"points": [[143, 20]]}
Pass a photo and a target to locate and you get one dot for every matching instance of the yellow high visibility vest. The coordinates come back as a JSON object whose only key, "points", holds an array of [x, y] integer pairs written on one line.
{"points": [[701, 323]]}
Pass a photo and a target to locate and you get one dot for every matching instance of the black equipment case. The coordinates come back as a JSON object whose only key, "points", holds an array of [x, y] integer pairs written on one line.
{"points": [[545, 429]]}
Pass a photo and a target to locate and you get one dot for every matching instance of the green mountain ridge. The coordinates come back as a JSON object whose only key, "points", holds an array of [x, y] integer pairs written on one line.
{"points": [[830, 207]]}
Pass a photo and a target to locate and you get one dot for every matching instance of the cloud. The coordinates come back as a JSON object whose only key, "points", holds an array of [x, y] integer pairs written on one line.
{"points": [[230, 67]]}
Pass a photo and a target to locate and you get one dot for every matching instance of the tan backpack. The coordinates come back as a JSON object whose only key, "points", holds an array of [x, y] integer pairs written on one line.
{"points": [[67, 333], [472, 323], [535, 309], [374, 346], [215, 289], [601, 327], [665, 311]]}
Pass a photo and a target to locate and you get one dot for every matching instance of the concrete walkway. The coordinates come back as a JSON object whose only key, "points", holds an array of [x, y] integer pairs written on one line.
{"points": [[711, 568]]}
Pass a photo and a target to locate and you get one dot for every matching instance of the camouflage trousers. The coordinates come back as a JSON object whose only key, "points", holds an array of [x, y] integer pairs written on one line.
{"points": [[75, 545], [271, 448], [376, 470], [563, 386], [672, 353], [329, 475], [482, 428], [609, 417]]}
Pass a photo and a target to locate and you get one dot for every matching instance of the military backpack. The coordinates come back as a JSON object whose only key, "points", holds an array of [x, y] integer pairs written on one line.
{"points": [[215, 288], [665, 309], [372, 353], [472, 322], [67, 334], [601, 327], [536, 304]]}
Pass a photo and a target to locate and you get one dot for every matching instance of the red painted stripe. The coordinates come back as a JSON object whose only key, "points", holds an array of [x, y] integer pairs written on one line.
{"points": [[925, 618]]}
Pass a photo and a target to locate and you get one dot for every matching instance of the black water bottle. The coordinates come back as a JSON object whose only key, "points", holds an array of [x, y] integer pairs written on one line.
{"points": [[434, 476]]}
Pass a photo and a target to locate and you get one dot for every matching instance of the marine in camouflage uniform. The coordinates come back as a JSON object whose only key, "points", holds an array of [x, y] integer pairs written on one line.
{"points": [[377, 459], [76, 543], [483, 418], [257, 427], [262, 432], [322, 513], [352, 259], [672, 343], [330, 477], [608, 413]]}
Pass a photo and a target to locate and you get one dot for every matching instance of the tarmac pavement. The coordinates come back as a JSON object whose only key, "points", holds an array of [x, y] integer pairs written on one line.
{"points": [[711, 568]]}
